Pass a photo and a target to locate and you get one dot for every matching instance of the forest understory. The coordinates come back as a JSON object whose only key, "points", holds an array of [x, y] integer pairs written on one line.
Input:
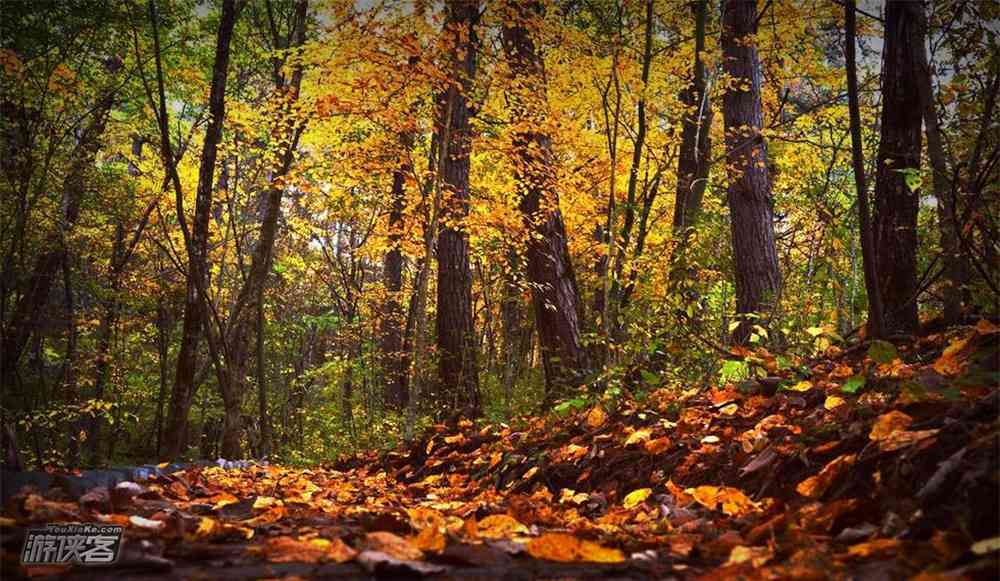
{"points": [[800, 475]]}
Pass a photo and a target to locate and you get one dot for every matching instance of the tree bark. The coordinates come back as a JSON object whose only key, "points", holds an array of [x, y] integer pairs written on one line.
{"points": [[758, 280], [876, 325], [458, 370], [957, 270], [896, 206], [550, 271], [393, 322], [693, 161], [195, 300]]}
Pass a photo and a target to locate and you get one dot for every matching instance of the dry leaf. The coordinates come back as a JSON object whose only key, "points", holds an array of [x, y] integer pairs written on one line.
{"points": [[636, 497], [888, 423], [816, 486], [567, 548], [500, 526], [392, 545], [596, 417]]}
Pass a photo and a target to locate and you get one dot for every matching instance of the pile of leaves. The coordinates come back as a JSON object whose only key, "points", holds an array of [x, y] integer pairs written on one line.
{"points": [[873, 461]]}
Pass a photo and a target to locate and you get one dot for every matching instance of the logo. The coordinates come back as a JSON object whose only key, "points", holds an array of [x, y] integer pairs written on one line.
{"points": [[86, 544]]}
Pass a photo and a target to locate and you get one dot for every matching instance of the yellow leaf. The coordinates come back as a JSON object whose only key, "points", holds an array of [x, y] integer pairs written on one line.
{"points": [[500, 526], [456, 439], [638, 437], [986, 546], [833, 402], [803, 385], [636, 497], [567, 548], [876, 547], [757, 556]]}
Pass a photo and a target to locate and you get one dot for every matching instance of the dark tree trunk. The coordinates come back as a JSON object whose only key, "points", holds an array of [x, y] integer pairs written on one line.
{"points": [[164, 325], [758, 280], [458, 370], [550, 271], [393, 322], [896, 205], [957, 270], [195, 300], [876, 316], [70, 383], [693, 162]]}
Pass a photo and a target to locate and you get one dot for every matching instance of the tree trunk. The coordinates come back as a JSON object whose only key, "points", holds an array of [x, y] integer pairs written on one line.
{"points": [[458, 371], [245, 310], [956, 265], [758, 280], [896, 205], [693, 162], [396, 360], [876, 316], [195, 300], [550, 271]]}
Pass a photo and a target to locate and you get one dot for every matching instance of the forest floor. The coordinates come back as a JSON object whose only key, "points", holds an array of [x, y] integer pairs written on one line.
{"points": [[867, 463]]}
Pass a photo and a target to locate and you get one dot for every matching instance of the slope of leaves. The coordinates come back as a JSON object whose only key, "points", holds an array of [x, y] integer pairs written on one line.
{"points": [[871, 462]]}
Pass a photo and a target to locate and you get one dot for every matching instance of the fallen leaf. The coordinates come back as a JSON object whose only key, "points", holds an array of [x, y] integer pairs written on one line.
{"points": [[756, 556], [381, 563], [888, 423], [986, 546], [657, 446], [876, 547], [816, 486], [392, 545], [731, 500], [638, 436], [500, 526], [833, 402], [316, 550], [636, 497], [145, 523], [567, 548], [596, 417]]}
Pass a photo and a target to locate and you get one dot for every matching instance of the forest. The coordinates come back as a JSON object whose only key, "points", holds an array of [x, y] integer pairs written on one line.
{"points": [[503, 288]]}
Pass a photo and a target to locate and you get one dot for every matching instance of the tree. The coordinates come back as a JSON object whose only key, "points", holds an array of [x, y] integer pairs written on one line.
{"points": [[758, 281], [458, 371], [550, 270], [896, 202], [196, 239], [876, 327], [393, 320], [693, 161]]}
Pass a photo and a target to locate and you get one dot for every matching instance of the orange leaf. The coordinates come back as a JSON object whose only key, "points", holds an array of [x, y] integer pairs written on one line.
{"points": [[816, 486], [888, 423], [500, 526], [596, 417], [657, 446], [288, 550], [567, 548], [393, 545]]}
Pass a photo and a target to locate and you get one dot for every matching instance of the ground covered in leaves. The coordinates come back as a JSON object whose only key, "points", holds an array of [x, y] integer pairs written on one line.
{"points": [[872, 462]]}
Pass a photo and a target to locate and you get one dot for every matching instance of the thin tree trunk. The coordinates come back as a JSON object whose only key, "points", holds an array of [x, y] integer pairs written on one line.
{"points": [[457, 368], [396, 394], [876, 325], [693, 161], [896, 205], [550, 270], [70, 384], [195, 300], [758, 280], [956, 266]]}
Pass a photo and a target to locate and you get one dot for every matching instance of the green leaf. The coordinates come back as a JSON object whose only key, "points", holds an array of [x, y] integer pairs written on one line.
{"points": [[733, 370], [882, 352], [853, 384], [649, 378]]}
